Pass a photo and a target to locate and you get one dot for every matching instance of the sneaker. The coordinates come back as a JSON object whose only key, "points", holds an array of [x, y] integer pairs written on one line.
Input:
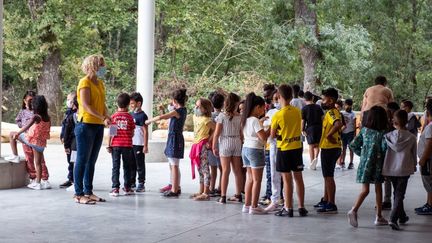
{"points": [[386, 206], [13, 158], [202, 197], [403, 220], [425, 210], [320, 204], [313, 164], [66, 184], [379, 221], [258, 210], [272, 207], [35, 186], [303, 212], [171, 194], [165, 188], [246, 209], [394, 225], [115, 192], [351, 166], [342, 166], [31, 181], [285, 212], [31, 184], [133, 186], [329, 208], [45, 184], [338, 167], [352, 218], [128, 191], [140, 188], [71, 188], [10, 157]]}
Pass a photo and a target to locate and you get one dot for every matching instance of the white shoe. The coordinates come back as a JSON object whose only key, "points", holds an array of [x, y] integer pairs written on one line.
{"points": [[272, 208], [10, 157], [245, 209], [71, 188], [31, 184], [45, 184], [31, 181], [35, 186], [257, 210], [13, 158], [380, 221], [352, 218], [313, 164]]}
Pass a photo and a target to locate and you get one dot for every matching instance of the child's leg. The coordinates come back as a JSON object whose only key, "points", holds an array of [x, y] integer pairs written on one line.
{"points": [[213, 177], [256, 186], [13, 143], [45, 174], [201, 178], [115, 175], [134, 166], [268, 191], [298, 177], [275, 176], [378, 192], [205, 170], [220, 177], [361, 197], [387, 190], [226, 168], [288, 189], [30, 167], [248, 187], [342, 158], [128, 162], [38, 158], [311, 152], [317, 150], [175, 178], [351, 156], [399, 185], [238, 173], [330, 189]]}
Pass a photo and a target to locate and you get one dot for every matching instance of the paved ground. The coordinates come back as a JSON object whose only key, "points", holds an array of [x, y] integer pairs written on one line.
{"points": [[52, 216]]}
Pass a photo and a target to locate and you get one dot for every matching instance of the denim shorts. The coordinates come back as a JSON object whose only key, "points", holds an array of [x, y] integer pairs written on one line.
{"points": [[23, 139], [254, 158]]}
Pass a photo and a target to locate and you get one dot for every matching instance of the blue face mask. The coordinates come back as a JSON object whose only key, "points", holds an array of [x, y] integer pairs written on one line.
{"points": [[101, 72], [277, 106], [197, 111]]}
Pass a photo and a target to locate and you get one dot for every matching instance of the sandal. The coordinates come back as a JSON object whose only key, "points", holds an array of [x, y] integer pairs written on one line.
{"points": [[194, 195], [95, 198], [84, 200], [236, 198], [202, 197], [222, 200]]}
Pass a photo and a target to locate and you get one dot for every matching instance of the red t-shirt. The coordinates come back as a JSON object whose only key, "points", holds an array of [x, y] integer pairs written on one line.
{"points": [[125, 128]]}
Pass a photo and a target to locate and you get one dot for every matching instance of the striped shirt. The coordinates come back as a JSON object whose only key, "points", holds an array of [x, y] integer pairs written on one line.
{"points": [[230, 128], [125, 129]]}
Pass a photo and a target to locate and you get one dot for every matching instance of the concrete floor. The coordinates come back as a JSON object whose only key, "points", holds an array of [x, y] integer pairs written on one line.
{"points": [[52, 215]]}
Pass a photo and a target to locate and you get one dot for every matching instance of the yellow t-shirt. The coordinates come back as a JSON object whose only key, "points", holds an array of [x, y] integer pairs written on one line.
{"points": [[97, 100], [330, 118], [201, 130], [287, 123]]}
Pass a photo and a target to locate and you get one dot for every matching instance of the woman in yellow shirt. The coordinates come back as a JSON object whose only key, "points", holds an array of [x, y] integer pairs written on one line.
{"points": [[92, 116]]}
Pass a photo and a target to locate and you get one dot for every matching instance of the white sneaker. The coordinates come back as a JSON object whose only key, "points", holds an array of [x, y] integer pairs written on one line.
{"points": [[70, 189], [31, 181], [272, 208], [313, 164], [380, 221], [35, 186], [45, 184], [31, 184], [352, 218], [338, 167], [13, 158], [245, 209], [9, 157], [257, 210]]}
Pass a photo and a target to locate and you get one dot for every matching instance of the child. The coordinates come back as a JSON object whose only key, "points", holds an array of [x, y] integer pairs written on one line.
{"points": [[175, 143], [253, 151], [35, 135], [413, 123], [312, 116], [69, 141], [203, 130], [120, 145], [425, 155], [330, 145], [400, 162], [139, 142], [286, 128], [348, 132], [370, 146], [229, 136], [217, 100], [296, 101]]}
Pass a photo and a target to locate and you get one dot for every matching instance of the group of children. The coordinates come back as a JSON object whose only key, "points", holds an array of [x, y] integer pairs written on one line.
{"points": [[250, 135]]}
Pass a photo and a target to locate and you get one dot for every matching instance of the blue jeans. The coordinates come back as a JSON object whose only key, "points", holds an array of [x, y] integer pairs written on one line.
{"points": [[89, 140], [268, 191]]}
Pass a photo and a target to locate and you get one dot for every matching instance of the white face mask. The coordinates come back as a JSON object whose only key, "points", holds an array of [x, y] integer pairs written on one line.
{"points": [[170, 107], [69, 103], [277, 106]]}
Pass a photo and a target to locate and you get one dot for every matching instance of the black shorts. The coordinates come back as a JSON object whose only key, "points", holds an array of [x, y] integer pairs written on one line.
{"points": [[289, 160], [347, 139], [328, 161], [313, 134]]}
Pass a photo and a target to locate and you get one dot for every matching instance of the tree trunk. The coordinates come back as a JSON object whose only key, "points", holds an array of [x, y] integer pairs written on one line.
{"points": [[49, 80], [305, 17], [412, 50]]}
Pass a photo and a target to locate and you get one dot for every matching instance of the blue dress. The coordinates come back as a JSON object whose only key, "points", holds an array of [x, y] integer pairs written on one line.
{"points": [[175, 143]]}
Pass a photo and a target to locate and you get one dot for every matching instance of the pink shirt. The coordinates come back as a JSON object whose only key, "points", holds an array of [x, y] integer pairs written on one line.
{"points": [[39, 133]]}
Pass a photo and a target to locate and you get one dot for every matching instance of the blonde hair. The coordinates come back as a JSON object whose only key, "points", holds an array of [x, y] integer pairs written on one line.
{"points": [[92, 63]]}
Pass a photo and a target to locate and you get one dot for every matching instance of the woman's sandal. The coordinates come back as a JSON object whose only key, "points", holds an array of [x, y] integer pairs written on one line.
{"points": [[84, 200], [95, 198], [194, 195], [236, 198]]}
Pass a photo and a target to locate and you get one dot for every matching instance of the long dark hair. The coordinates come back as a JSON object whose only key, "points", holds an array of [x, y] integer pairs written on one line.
{"points": [[180, 96], [231, 104], [30, 93], [252, 100], [377, 119], [40, 107]]}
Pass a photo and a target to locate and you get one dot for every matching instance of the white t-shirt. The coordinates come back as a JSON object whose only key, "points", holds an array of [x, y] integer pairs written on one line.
{"points": [[349, 117], [252, 127], [426, 134], [297, 102], [267, 123]]}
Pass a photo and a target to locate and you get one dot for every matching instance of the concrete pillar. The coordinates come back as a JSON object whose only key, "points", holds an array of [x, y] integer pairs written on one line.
{"points": [[1, 64], [145, 54]]}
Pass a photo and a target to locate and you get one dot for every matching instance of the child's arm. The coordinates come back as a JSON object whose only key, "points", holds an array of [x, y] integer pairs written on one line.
{"points": [[337, 125], [211, 125], [145, 134], [26, 127], [357, 144], [216, 135], [163, 117], [427, 152], [414, 154], [18, 119], [303, 127]]}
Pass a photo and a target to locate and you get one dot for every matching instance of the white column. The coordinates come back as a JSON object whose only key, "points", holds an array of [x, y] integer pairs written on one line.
{"points": [[1, 64], [145, 54]]}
